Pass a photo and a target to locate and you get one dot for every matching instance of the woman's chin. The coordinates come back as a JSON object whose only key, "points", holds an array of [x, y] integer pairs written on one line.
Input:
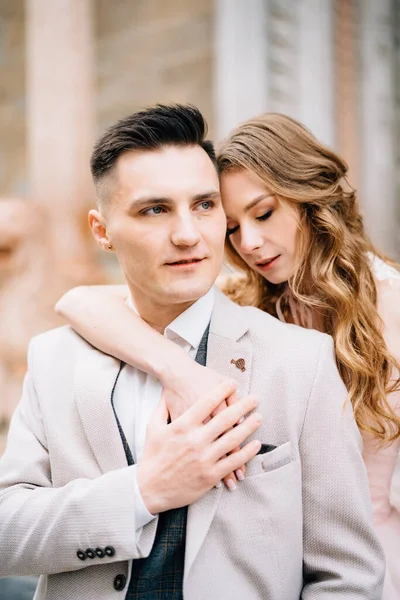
{"points": [[276, 278]]}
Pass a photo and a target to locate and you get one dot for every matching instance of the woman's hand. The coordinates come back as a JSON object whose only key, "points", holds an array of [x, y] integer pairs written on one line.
{"points": [[182, 390]]}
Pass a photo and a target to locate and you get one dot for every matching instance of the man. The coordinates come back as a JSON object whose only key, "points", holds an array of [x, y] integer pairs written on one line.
{"points": [[83, 483]]}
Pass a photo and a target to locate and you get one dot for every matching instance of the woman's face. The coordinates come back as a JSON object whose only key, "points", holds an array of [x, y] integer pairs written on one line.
{"points": [[262, 230]]}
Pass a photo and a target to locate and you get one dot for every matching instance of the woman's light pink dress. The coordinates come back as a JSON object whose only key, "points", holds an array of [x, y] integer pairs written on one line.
{"points": [[381, 462]]}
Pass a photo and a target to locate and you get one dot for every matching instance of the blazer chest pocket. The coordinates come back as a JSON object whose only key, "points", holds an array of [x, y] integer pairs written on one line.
{"points": [[270, 461]]}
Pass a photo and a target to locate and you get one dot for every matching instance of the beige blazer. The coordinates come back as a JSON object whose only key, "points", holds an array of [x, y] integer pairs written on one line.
{"points": [[299, 526]]}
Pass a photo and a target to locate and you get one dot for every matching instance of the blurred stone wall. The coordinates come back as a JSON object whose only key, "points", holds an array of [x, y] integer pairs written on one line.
{"points": [[12, 98], [152, 51]]}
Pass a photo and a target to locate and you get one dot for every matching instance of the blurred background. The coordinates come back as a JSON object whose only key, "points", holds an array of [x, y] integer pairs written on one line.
{"points": [[69, 68]]}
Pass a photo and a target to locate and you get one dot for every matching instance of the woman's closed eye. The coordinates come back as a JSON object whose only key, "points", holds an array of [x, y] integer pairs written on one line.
{"points": [[230, 230], [263, 217]]}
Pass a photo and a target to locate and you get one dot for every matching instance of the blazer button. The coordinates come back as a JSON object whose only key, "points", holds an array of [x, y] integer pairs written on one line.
{"points": [[119, 583], [99, 552], [109, 550], [90, 553], [81, 555]]}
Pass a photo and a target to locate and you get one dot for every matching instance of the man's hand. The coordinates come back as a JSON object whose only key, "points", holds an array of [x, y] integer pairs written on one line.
{"points": [[182, 390], [186, 458]]}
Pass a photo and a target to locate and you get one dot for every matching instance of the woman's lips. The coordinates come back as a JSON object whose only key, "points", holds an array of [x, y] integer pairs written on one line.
{"points": [[267, 264]]}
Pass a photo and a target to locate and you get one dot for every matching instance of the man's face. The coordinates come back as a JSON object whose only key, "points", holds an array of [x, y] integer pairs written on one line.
{"points": [[166, 224]]}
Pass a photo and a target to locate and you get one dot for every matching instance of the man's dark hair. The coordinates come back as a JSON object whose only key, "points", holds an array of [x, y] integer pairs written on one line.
{"points": [[150, 129]]}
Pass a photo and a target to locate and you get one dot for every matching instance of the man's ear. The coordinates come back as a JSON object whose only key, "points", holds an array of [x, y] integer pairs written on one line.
{"points": [[98, 226]]}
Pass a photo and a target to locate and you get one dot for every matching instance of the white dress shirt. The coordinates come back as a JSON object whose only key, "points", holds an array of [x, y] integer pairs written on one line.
{"points": [[137, 394]]}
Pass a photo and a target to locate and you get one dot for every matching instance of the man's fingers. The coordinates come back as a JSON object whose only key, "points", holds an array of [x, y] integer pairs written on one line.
{"points": [[228, 402], [232, 462], [219, 409], [224, 422], [233, 398], [233, 438], [227, 418], [204, 407]]}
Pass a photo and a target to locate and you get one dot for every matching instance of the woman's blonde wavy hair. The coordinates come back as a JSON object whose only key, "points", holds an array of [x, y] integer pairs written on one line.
{"points": [[333, 275]]}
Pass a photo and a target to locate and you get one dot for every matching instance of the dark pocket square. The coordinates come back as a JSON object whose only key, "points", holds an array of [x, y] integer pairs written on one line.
{"points": [[266, 448]]}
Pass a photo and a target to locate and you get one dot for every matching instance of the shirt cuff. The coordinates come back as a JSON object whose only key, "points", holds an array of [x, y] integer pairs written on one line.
{"points": [[142, 515]]}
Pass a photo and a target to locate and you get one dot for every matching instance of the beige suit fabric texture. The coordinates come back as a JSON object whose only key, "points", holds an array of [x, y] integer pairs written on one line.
{"points": [[298, 526]]}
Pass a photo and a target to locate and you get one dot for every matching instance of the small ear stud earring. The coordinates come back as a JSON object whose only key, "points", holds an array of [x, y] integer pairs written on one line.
{"points": [[240, 363], [109, 247]]}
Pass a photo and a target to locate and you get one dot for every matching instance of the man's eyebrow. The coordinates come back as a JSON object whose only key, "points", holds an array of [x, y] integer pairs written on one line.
{"points": [[257, 200], [212, 195], [146, 201]]}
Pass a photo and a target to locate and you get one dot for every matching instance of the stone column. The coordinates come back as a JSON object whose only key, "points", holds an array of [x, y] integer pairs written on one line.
{"points": [[316, 68], [60, 117], [378, 176], [275, 55], [240, 62], [301, 63], [347, 71], [283, 57], [396, 31]]}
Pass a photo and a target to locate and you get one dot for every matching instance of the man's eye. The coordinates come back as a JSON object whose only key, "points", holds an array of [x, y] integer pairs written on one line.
{"points": [[154, 210], [206, 205]]}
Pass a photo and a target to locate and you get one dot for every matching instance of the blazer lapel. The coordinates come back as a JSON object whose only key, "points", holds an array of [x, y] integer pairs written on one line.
{"points": [[226, 342], [95, 377]]}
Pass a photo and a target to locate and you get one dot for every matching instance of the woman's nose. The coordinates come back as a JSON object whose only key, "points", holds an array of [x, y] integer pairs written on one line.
{"points": [[250, 240]]}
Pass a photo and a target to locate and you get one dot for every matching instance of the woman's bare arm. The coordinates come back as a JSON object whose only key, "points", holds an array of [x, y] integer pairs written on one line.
{"points": [[101, 316]]}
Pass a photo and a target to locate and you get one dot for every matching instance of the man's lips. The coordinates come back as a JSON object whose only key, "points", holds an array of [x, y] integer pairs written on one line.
{"points": [[184, 261]]}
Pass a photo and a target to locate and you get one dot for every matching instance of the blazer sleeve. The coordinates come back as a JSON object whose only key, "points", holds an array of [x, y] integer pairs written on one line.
{"points": [[41, 527], [342, 555]]}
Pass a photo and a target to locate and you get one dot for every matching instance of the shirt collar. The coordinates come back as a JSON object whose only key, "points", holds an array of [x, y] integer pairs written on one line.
{"points": [[191, 324]]}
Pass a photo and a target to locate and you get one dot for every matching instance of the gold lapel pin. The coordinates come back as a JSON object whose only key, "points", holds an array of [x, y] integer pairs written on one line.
{"points": [[240, 363]]}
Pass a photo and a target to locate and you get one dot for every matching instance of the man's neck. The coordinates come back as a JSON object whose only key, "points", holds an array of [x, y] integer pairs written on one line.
{"points": [[156, 315]]}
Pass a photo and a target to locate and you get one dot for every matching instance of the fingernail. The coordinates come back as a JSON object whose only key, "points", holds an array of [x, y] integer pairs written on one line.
{"points": [[239, 474], [240, 420], [218, 485], [231, 484]]}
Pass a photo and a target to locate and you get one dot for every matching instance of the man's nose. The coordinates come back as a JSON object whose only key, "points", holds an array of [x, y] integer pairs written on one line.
{"points": [[250, 240], [185, 231]]}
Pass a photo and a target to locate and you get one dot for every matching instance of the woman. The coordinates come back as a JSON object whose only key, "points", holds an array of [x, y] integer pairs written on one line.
{"points": [[295, 232]]}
